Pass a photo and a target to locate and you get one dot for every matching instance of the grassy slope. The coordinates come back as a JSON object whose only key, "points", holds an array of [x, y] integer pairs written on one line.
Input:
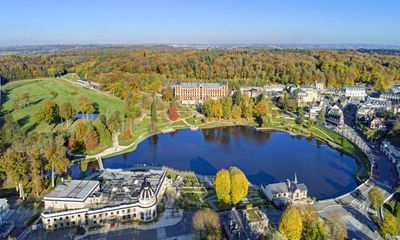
{"points": [[39, 92]]}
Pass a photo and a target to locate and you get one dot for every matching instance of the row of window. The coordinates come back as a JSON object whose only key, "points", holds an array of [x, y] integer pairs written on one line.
{"points": [[56, 225]]}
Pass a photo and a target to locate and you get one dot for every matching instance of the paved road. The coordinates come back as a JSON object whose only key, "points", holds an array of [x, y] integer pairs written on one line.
{"points": [[184, 227], [354, 211]]}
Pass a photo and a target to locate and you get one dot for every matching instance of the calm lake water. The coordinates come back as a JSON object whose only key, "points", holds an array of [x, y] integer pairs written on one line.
{"points": [[265, 157]]}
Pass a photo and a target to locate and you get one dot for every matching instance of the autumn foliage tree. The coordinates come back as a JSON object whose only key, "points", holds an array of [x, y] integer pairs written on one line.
{"points": [[56, 156], [262, 108], [291, 224], [66, 112], [91, 139], [173, 114], [15, 165], [127, 134], [231, 186], [207, 224], [81, 129], [388, 226], [376, 197], [47, 113], [85, 105], [239, 185], [222, 183], [71, 142], [314, 227], [35, 167]]}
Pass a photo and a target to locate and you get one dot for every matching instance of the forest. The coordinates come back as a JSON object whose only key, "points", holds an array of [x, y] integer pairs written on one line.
{"points": [[121, 70]]}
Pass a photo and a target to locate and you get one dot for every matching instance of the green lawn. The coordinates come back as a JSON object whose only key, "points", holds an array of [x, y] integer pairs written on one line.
{"points": [[39, 91]]}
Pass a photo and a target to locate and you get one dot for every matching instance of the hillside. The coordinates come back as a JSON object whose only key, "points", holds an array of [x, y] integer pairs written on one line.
{"points": [[39, 91]]}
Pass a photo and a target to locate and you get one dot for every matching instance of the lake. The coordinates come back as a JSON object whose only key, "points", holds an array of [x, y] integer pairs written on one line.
{"points": [[264, 156]]}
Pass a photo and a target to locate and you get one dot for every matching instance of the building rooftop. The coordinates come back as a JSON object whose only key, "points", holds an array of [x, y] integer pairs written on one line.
{"points": [[113, 188], [74, 190], [204, 85], [118, 186], [286, 187], [3, 201]]}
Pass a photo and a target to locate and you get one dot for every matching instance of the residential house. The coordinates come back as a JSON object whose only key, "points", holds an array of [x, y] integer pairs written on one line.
{"points": [[378, 124]]}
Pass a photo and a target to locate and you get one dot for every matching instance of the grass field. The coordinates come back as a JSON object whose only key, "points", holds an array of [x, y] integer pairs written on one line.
{"points": [[39, 91]]}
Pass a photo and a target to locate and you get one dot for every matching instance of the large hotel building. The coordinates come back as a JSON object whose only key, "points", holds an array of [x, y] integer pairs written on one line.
{"points": [[193, 93], [116, 196]]}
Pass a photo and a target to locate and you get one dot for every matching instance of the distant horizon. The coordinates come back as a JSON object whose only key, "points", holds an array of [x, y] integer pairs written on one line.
{"points": [[213, 45], [268, 22]]}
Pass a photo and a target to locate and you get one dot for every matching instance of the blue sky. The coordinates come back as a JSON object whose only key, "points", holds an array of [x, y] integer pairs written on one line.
{"points": [[201, 21]]}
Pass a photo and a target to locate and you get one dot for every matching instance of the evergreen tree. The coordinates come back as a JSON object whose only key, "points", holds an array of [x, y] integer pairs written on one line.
{"points": [[102, 130]]}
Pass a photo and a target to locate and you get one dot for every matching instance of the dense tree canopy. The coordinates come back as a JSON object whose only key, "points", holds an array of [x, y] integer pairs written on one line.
{"points": [[123, 70]]}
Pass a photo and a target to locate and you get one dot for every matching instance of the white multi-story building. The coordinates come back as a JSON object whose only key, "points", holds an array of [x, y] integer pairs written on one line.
{"points": [[358, 92], [116, 196]]}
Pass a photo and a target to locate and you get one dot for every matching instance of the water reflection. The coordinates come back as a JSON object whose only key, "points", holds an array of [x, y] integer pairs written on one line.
{"points": [[265, 157]]}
